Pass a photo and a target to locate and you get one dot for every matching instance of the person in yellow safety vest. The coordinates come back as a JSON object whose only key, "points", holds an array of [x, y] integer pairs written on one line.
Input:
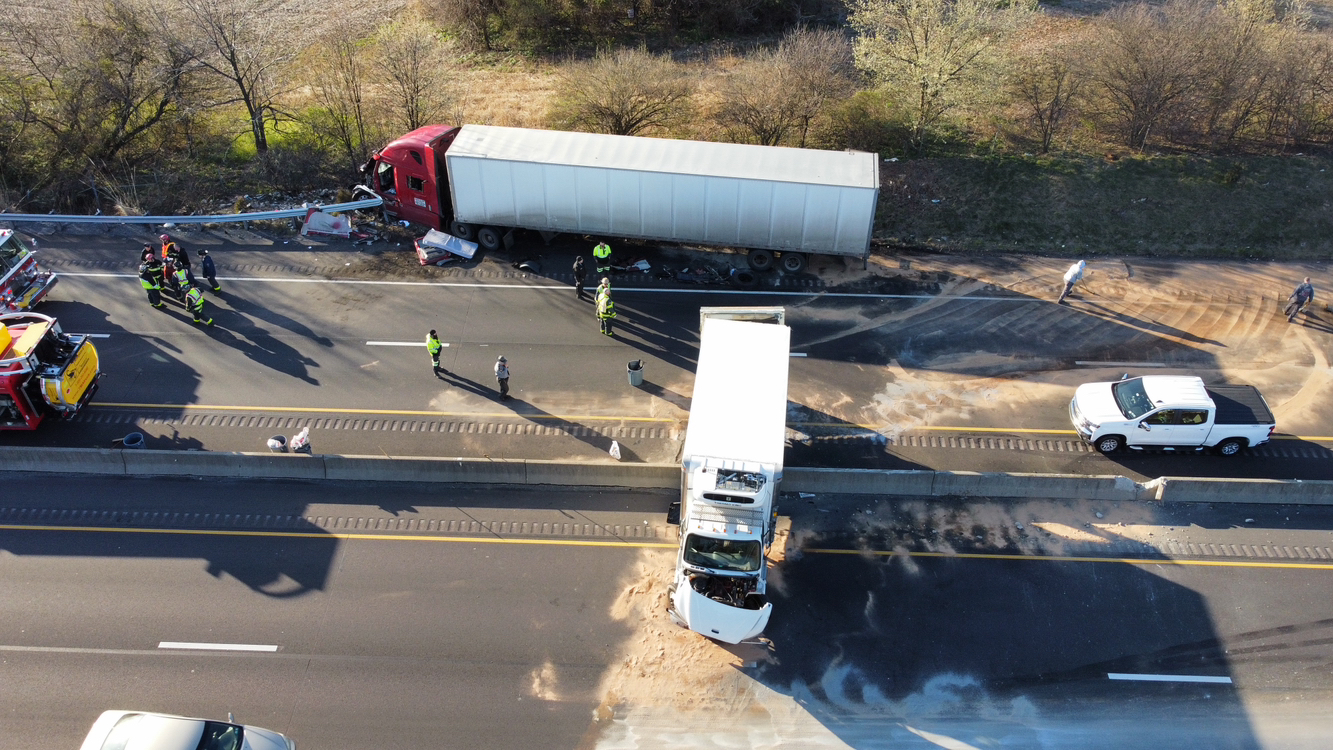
{"points": [[149, 280], [602, 252], [603, 289], [434, 346], [194, 299], [182, 278], [606, 312]]}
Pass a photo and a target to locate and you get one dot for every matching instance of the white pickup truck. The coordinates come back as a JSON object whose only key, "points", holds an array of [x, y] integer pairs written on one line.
{"points": [[1171, 412]]}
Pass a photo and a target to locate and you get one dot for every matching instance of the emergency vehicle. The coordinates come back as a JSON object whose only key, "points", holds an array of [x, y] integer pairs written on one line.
{"points": [[22, 282], [43, 371]]}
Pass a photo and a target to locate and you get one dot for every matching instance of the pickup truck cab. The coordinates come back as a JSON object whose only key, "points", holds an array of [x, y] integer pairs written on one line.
{"points": [[1170, 412]]}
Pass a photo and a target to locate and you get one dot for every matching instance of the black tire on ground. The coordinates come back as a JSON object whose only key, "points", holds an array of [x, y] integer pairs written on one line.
{"points": [[489, 238], [463, 231], [1110, 443], [760, 260], [1229, 447], [793, 262], [745, 279]]}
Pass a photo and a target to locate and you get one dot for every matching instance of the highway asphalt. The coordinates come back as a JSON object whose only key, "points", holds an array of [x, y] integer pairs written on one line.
{"points": [[388, 620], [895, 369]]}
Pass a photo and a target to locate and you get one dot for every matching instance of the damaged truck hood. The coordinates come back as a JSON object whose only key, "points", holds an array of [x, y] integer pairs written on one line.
{"points": [[717, 620]]}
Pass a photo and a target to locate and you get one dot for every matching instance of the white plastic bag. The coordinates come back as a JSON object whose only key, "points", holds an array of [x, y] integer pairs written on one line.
{"points": [[301, 442], [615, 450]]}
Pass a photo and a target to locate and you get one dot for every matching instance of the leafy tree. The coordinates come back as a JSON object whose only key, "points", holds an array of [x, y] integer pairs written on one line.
{"points": [[927, 51]]}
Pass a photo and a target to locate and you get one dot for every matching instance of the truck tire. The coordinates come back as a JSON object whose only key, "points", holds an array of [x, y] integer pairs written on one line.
{"points": [[463, 231], [1230, 446], [793, 262], [760, 260], [1110, 443], [745, 279], [490, 238]]}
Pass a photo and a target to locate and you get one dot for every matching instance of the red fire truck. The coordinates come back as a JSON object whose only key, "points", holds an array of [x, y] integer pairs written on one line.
{"points": [[43, 371], [22, 282]]}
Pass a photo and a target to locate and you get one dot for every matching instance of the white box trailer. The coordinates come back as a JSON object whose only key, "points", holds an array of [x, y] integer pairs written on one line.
{"points": [[730, 468], [478, 180]]}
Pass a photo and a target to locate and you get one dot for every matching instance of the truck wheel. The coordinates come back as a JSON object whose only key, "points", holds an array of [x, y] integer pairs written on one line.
{"points": [[463, 231], [745, 279], [489, 238], [793, 262], [1110, 443], [760, 260], [1229, 447]]}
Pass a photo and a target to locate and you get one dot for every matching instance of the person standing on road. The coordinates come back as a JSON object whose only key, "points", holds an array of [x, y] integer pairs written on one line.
{"points": [[209, 269], [580, 275], [603, 289], [148, 254], [434, 346], [1298, 300], [194, 299], [183, 264], [606, 312], [168, 247], [502, 377], [602, 252], [149, 280], [1072, 277]]}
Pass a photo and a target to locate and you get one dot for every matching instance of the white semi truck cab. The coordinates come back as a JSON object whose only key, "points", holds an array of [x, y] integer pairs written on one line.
{"points": [[1170, 412], [730, 470]]}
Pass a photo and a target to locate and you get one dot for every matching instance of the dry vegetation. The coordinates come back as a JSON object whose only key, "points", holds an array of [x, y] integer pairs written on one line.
{"points": [[1015, 114]]}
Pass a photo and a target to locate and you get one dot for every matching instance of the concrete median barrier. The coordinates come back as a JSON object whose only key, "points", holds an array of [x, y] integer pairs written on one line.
{"points": [[1046, 486], [222, 464], [445, 470], [1273, 491], [857, 481], [639, 476], [62, 460]]}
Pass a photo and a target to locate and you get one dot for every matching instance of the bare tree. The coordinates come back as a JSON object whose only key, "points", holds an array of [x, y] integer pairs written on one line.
{"points": [[1147, 63], [625, 92], [248, 45], [472, 19], [338, 81], [758, 104], [1297, 104], [927, 50], [820, 71], [1046, 84], [1235, 71], [411, 56]]}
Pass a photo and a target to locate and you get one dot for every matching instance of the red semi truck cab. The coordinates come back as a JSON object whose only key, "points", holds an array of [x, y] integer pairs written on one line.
{"points": [[22, 282], [410, 175], [43, 371]]}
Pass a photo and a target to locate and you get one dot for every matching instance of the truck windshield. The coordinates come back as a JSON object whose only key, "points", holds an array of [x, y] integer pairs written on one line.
{"points": [[742, 556], [1131, 398]]}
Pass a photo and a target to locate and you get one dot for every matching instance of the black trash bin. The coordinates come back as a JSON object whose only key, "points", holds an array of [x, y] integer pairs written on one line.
{"points": [[635, 370]]}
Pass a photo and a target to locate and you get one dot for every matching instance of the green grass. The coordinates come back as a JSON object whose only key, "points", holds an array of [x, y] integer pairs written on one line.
{"points": [[1191, 206]]}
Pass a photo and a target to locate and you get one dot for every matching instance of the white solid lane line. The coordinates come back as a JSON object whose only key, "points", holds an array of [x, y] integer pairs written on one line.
{"points": [[216, 646], [401, 343], [1168, 677]]}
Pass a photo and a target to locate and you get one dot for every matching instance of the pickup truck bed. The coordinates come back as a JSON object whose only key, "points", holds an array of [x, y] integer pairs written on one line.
{"points": [[1239, 404]]}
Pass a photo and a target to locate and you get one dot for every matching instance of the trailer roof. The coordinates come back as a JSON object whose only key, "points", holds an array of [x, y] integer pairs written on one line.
{"points": [[736, 160], [739, 408]]}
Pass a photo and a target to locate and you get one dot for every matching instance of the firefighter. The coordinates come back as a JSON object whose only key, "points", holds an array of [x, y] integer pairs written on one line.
{"points": [[606, 312], [602, 252], [194, 299], [150, 281], [168, 247], [182, 278], [148, 254], [603, 290]]}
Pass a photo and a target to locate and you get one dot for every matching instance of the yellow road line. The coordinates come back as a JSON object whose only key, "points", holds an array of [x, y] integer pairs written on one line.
{"points": [[382, 412], [662, 545], [1069, 558]]}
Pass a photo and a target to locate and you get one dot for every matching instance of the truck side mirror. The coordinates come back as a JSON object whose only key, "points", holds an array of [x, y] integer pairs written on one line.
{"points": [[673, 514], [1144, 426]]}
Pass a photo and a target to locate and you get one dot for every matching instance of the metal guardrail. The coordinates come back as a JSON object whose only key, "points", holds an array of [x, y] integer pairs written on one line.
{"points": [[286, 213]]}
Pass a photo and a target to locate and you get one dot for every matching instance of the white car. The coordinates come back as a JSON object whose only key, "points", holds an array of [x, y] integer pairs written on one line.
{"points": [[139, 730]]}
